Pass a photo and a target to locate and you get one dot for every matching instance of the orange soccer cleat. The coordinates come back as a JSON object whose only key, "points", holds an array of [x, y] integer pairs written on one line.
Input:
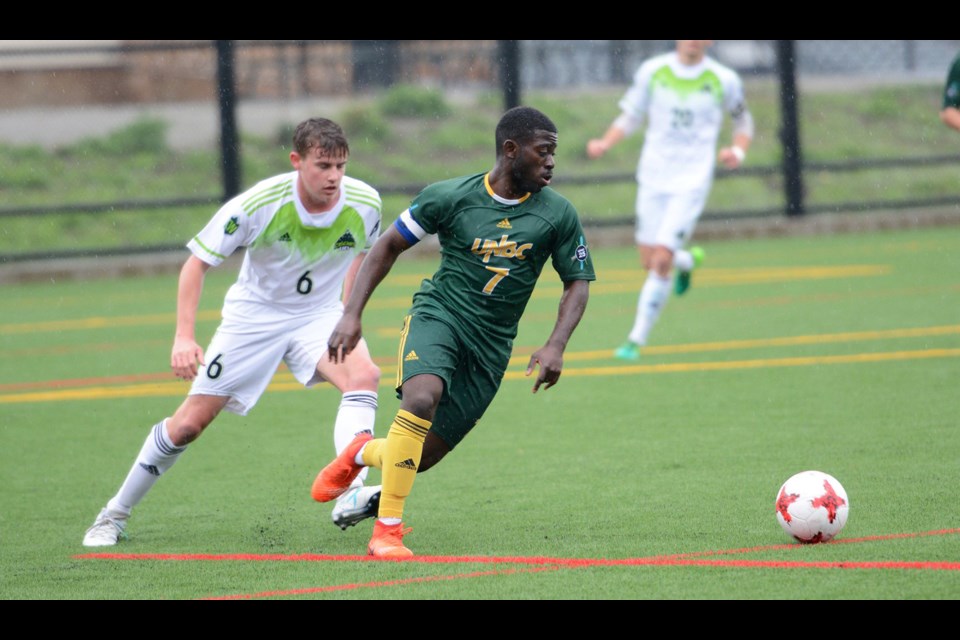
{"points": [[335, 478], [387, 541]]}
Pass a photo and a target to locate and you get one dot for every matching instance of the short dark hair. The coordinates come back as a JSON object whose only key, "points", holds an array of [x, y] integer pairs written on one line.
{"points": [[323, 134], [520, 123]]}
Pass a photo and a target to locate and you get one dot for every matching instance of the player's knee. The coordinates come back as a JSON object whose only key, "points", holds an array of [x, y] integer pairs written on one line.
{"points": [[183, 428], [422, 405], [421, 394], [661, 263], [183, 433], [360, 375], [369, 376]]}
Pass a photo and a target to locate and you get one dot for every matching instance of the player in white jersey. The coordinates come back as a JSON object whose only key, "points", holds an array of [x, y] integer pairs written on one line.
{"points": [[682, 97], [305, 234]]}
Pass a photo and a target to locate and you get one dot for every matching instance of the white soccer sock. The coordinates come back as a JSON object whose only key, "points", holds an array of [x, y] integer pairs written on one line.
{"points": [[683, 260], [156, 456], [357, 413], [653, 297]]}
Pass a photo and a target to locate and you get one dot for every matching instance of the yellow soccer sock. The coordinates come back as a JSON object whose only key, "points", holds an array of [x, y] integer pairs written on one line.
{"points": [[401, 458], [372, 453]]}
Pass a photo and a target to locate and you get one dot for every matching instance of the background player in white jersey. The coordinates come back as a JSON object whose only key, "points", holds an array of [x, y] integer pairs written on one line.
{"points": [[305, 234], [682, 95]]}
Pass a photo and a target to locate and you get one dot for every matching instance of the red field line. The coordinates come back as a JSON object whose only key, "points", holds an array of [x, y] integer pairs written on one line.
{"points": [[651, 561], [552, 562], [543, 563], [691, 558], [88, 382], [791, 545]]}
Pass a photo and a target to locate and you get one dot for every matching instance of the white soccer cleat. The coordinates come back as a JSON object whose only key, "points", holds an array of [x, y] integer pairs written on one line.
{"points": [[105, 531], [358, 503]]}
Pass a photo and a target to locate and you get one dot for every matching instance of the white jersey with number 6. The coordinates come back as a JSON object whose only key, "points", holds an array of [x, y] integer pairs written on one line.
{"points": [[295, 261]]}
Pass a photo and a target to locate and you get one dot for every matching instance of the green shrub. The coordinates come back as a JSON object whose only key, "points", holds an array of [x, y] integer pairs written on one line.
{"points": [[404, 100], [362, 122], [284, 136], [25, 168], [146, 135], [882, 104]]}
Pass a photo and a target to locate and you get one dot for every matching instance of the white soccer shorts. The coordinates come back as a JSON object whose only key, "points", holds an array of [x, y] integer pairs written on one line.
{"points": [[667, 219], [242, 359]]}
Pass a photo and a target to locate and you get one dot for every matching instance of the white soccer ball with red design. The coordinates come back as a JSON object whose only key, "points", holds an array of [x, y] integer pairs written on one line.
{"points": [[812, 507]]}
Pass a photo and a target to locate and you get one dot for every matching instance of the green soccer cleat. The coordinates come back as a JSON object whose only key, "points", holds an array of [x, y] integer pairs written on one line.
{"points": [[627, 351], [682, 283]]}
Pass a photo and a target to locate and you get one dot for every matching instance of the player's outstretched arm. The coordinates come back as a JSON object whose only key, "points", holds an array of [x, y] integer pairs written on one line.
{"points": [[597, 147], [550, 356], [187, 356], [374, 268]]}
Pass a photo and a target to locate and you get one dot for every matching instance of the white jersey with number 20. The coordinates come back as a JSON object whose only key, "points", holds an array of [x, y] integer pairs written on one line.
{"points": [[684, 107]]}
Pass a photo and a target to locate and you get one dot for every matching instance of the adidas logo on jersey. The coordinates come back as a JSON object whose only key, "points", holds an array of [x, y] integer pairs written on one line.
{"points": [[411, 356], [285, 238], [407, 464], [504, 224], [346, 241]]}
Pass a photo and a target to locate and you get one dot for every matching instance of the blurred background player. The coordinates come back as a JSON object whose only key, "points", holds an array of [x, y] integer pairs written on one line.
{"points": [[682, 96], [497, 230], [950, 113], [305, 233]]}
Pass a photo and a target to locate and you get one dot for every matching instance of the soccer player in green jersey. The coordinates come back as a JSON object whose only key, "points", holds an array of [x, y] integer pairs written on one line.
{"points": [[950, 113], [497, 230]]}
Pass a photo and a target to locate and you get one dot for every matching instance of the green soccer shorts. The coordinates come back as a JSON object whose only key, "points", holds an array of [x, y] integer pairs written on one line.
{"points": [[470, 376]]}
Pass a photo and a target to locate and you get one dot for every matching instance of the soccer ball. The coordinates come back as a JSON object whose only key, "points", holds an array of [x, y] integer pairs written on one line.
{"points": [[812, 507]]}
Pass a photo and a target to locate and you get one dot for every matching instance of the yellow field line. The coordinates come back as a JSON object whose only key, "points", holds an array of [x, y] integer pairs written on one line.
{"points": [[695, 347], [99, 322], [180, 388], [763, 274], [616, 281], [803, 361]]}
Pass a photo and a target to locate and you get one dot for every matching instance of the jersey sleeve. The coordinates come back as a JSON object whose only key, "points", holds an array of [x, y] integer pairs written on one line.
{"points": [[951, 89], [636, 100], [571, 257], [373, 231], [367, 202], [735, 102], [422, 217], [229, 229]]}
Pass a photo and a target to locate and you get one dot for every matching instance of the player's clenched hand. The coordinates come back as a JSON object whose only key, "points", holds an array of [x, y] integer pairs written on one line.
{"points": [[186, 358], [596, 148], [729, 158], [344, 338], [551, 364]]}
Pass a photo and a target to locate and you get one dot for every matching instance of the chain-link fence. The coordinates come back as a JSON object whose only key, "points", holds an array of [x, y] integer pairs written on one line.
{"points": [[54, 94], [44, 73]]}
